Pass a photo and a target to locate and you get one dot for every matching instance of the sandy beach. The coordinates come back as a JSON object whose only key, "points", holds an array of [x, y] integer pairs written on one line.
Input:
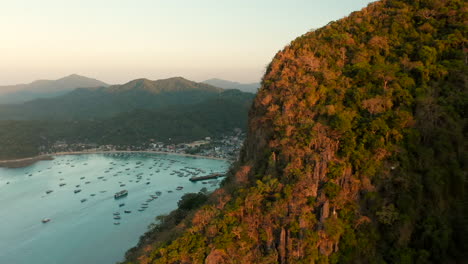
{"points": [[24, 162]]}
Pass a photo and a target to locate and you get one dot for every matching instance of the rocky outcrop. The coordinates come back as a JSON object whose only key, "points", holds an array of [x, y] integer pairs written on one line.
{"points": [[335, 168]]}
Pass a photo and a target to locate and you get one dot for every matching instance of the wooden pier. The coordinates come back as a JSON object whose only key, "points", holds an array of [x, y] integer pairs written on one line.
{"points": [[207, 177]]}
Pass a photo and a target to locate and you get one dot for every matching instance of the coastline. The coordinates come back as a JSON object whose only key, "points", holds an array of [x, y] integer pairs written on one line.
{"points": [[24, 162]]}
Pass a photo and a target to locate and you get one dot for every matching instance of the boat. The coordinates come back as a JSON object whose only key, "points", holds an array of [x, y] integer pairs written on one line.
{"points": [[49, 191], [45, 220], [207, 177], [179, 188], [117, 217], [83, 200], [127, 211], [122, 204], [77, 191], [116, 223], [62, 184], [120, 194], [116, 213]]}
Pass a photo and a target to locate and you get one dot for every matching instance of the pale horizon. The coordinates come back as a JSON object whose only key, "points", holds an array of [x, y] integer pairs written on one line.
{"points": [[117, 41]]}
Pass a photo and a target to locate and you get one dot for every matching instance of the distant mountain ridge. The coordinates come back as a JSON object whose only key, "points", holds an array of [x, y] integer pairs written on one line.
{"points": [[10, 94], [245, 87], [174, 84], [104, 102]]}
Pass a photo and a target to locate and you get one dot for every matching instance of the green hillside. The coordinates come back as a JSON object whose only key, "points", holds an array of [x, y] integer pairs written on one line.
{"points": [[182, 123], [105, 102], [356, 151]]}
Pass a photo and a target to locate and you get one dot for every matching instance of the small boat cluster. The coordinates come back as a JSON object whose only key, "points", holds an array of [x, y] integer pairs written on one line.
{"points": [[187, 172], [140, 172], [143, 206]]}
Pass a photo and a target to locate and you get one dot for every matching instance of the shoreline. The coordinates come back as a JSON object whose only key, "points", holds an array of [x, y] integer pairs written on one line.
{"points": [[24, 162]]}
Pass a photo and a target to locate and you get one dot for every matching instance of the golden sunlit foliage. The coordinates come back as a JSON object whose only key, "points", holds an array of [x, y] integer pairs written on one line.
{"points": [[356, 150]]}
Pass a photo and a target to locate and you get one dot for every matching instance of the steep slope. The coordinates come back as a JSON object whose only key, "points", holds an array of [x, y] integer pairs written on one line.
{"points": [[14, 94], [356, 151], [245, 87], [106, 102]]}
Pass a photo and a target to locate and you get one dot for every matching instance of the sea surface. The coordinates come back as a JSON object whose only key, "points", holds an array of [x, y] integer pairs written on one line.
{"points": [[85, 231]]}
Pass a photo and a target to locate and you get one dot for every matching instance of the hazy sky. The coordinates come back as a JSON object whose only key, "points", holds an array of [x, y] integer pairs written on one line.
{"points": [[120, 40]]}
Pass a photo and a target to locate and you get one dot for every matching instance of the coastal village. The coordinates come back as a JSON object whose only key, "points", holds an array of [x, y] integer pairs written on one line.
{"points": [[224, 147]]}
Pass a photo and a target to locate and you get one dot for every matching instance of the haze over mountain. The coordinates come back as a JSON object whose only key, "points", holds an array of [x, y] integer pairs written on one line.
{"points": [[102, 102], [245, 87], [11, 94]]}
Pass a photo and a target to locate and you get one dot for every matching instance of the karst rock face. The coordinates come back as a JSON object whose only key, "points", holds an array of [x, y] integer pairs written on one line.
{"points": [[356, 151]]}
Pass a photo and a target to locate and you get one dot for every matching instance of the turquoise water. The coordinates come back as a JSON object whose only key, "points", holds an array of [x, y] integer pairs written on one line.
{"points": [[85, 231]]}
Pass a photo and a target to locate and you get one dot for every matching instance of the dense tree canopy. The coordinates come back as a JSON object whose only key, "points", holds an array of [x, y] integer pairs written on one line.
{"points": [[356, 150], [212, 117]]}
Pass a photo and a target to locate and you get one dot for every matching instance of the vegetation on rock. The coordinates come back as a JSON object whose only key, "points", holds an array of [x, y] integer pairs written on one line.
{"points": [[356, 150]]}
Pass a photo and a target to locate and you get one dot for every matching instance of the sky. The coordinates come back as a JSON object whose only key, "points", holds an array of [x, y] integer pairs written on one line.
{"points": [[116, 41]]}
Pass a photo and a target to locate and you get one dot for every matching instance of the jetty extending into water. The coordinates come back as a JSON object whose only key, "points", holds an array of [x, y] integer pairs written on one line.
{"points": [[207, 177]]}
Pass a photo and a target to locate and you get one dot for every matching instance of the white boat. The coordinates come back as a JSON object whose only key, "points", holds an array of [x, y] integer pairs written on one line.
{"points": [[45, 220]]}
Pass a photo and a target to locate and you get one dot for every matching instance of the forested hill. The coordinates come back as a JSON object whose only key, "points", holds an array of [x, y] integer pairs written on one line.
{"points": [[212, 117], [356, 151], [104, 102]]}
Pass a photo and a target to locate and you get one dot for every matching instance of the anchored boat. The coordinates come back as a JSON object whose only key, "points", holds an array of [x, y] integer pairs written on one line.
{"points": [[120, 194]]}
